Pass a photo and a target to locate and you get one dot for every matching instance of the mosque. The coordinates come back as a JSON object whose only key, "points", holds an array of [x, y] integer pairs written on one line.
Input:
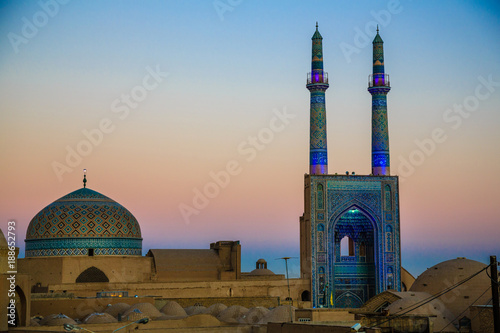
{"points": [[362, 209], [85, 245]]}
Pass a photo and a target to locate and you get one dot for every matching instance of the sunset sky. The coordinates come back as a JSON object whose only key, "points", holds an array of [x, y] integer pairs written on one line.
{"points": [[172, 93]]}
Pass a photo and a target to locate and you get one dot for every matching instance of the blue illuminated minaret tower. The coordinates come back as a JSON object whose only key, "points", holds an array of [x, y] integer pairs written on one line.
{"points": [[317, 83], [379, 86]]}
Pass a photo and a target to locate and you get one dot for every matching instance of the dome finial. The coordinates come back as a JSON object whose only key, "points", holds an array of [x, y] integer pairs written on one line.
{"points": [[377, 28], [316, 25], [84, 178]]}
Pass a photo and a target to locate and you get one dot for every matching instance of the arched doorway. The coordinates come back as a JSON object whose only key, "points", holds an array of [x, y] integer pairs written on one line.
{"points": [[21, 312], [353, 242], [305, 296]]}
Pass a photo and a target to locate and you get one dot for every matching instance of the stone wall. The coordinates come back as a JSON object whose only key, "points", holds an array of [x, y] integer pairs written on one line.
{"points": [[248, 302], [235, 288], [251, 293], [482, 318], [62, 270], [323, 315], [313, 328], [404, 324]]}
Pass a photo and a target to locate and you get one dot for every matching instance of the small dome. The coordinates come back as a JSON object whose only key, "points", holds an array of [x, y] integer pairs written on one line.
{"points": [[216, 309], [172, 308], [57, 319], [195, 309], [279, 314], [254, 315], [117, 309], [99, 318], [232, 314], [141, 310], [83, 222], [261, 268]]}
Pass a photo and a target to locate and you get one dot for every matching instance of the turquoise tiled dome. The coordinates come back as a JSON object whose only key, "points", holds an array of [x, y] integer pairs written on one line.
{"points": [[83, 222]]}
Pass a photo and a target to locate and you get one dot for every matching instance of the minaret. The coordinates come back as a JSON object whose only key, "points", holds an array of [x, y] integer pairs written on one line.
{"points": [[379, 86], [317, 83]]}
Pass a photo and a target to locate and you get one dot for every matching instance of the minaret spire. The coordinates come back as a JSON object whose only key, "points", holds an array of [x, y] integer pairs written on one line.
{"points": [[317, 83], [379, 86]]}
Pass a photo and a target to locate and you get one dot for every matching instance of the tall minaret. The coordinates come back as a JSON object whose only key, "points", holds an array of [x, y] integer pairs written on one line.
{"points": [[317, 83], [379, 86]]}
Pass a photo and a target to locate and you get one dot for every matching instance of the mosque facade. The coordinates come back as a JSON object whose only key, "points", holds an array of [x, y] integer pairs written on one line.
{"points": [[360, 210]]}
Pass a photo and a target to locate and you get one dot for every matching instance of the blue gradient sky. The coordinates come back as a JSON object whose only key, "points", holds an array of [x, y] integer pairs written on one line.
{"points": [[227, 72]]}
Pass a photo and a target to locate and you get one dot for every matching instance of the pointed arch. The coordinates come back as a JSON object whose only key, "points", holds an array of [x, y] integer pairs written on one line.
{"points": [[348, 300], [92, 274], [21, 308], [366, 233], [351, 205]]}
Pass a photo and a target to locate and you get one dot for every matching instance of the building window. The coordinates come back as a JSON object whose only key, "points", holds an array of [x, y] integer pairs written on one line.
{"points": [[346, 246]]}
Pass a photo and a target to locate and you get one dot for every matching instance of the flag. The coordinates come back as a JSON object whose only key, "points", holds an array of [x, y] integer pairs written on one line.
{"points": [[331, 298]]}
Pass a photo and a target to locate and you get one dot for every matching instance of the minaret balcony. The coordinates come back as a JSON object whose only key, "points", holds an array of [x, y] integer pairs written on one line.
{"points": [[379, 80], [313, 78]]}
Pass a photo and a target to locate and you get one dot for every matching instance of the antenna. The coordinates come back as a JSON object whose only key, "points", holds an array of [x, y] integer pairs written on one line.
{"points": [[288, 282]]}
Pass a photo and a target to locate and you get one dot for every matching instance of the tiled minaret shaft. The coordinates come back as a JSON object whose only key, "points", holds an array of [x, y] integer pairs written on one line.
{"points": [[317, 83], [379, 86]]}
